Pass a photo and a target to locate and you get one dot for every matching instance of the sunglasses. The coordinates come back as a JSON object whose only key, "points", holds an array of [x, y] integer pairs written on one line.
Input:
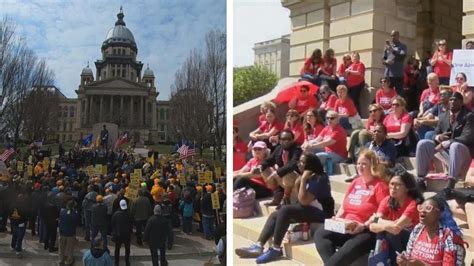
{"points": [[426, 208], [330, 117], [445, 94], [459, 78], [373, 111]]}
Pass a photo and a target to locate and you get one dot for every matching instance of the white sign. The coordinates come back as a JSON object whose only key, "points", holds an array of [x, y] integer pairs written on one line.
{"points": [[463, 61]]}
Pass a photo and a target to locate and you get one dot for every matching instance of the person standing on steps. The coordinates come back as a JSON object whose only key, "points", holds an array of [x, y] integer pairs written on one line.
{"points": [[156, 233], [393, 58], [68, 220], [122, 226]]}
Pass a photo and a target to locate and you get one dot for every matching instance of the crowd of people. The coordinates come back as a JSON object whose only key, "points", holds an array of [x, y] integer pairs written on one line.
{"points": [[131, 195], [415, 113]]}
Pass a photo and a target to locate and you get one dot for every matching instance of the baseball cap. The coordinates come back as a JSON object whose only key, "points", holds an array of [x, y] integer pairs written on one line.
{"points": [[123, 204], [259, 144]]}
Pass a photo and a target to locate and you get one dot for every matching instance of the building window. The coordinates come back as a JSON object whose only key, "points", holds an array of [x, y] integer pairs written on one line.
{"points": [[113, 72], [71, 111], [115, 51], [65, 111], [64, 126], [64, 137], [167, 114], [123, 73], [162, 127], [162, 114], [70, 136]]}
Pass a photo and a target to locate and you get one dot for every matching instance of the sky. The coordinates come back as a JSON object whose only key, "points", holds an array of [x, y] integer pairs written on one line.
{"points": [[256, 21], [69, 33]]}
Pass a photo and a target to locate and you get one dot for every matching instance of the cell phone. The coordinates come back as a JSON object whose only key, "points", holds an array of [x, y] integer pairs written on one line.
{"points": [[387, 42]]}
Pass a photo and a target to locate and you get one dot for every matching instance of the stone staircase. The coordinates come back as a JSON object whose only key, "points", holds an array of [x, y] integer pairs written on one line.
{"points": [[304, 252]]}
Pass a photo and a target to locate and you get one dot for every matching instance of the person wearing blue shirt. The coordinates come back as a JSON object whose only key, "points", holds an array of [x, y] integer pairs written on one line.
{"points": [[383, 147]]}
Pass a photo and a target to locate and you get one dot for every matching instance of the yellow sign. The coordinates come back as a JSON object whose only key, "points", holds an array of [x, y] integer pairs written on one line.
{"points": [[189, 170], [208, 177], [98, 169], [182, 180], [46, 162], [132, 193], [104, 169], [135, 179], [53, 163], [156, 174], [218, 172], [202, 178], [215, 201], [19, 166], [90, 170], [138, 172], [30, 159], [29, 169]]}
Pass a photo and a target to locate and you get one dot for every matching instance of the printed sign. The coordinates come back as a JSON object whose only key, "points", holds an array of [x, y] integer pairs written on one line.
{"points": [[19, 166], [208, 178], [463, 61], [182, 180], [53, 163], [104, 169], [215, 201], [98, 169], [138, 172], [29, 170], [90, 170], [218, 172]]}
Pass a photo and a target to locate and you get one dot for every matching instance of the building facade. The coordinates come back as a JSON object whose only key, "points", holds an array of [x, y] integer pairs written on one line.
{"points": [[119, 92], [364, 25], [274, 55]]}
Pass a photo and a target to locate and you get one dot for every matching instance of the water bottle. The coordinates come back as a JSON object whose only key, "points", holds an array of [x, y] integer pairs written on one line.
{"points": [[329, 170], [371, 254]]}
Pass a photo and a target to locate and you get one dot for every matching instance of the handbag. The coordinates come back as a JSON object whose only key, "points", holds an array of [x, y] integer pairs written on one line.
{"points": [[244, 202]]}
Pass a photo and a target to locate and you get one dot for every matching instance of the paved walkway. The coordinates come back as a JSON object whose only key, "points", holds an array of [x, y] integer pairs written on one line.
{"points": [[185, 248]]}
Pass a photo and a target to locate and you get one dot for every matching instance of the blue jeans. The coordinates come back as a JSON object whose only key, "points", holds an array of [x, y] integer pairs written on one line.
{"points": [[18, 233], [208, 226], [430, 135], [187, 224], [323, 156], [421, 132]]}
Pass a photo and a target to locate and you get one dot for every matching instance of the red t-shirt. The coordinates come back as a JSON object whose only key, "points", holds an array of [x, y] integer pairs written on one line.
{"points": [[328, 67], [303, 104], [258, 179], [408, 209], [345, 107], [341, 70], [298, 131], [354, 80], [434, 252], [240, 150], [394, 124], [430, 95], [261, 119], [385, 99], [309, 67], [362, 200], [442, 69], [315, 132], [330, 103], [370, 125], [339, 135], [266, 127]]}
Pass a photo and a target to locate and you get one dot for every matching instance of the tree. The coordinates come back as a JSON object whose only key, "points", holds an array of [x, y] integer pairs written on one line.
{"points": [[252, 82], [215, 65], [41, 112]]}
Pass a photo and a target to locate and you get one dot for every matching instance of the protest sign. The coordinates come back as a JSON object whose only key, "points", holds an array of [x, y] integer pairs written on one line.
{"points": [[218, 172], [138, 172], [215, 201], [19, 166], [98, 169], [463, 61], [29, 170]]}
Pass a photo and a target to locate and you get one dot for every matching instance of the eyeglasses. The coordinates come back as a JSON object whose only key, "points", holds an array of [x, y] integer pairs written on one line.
{"points": [[395, 104], [459, 78], [445, 94], [426, 208], [331, 117]]}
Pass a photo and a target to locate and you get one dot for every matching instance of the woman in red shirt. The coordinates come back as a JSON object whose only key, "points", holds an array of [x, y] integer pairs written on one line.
{"points": [[303, 102], [240, 150], [316, 125], [327, 97], [355, 79], [460, 79], [264, 107], [244, 177], [430, 96], [344, 106], [397, 214], [341, 70], [312, 66], [328, 70], [441, 62], [399, 124], [270, 128], [363, 136], [293, 123], [361, 200], [436, 240], [385, 94]]}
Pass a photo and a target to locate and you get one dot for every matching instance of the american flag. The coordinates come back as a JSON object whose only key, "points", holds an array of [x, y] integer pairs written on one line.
{"points": [[6, 154], [184, 152], [122, 140]]}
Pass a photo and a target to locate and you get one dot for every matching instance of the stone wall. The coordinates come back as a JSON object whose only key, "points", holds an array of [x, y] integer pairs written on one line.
{"points": [[468, 21]]}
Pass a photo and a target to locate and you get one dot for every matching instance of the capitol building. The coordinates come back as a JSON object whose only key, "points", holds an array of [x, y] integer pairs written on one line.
{"points": [[119, 94]]}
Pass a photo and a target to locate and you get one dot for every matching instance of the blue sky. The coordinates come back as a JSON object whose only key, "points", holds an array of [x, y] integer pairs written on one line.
{"points": [[68, 34], [256, 21]]}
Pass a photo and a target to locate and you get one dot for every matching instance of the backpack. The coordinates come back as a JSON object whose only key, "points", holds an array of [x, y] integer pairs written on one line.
{"points": [[244, 202]]}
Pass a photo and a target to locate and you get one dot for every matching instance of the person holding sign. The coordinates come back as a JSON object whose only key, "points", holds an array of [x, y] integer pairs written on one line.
{"points": [[315, 203], [362, 199], [207, 211]]}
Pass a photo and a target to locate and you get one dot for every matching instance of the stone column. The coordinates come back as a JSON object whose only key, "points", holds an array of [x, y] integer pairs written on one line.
{"points": [[468, 21], [86, 110], [78, 112], [121, 109], [141, 110], [101, 109], [131, 110], [111, 107], [153, 113], [146, 112], [91, 110]]}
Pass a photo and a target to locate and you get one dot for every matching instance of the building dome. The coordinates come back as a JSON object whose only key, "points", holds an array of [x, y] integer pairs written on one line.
{"points": [[119, 33], [148, 72], [87, 70]]}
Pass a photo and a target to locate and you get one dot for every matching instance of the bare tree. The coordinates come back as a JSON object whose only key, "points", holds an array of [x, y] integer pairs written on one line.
{"points": [[190, 110], [215, 67], [41, 112]]}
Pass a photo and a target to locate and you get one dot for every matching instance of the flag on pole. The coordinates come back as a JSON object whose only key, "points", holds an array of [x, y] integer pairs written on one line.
{"points": [[182, 149], [87, 140], [151, 160], [6, 154], [97, 141], [37, 143], [122, 140]]}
